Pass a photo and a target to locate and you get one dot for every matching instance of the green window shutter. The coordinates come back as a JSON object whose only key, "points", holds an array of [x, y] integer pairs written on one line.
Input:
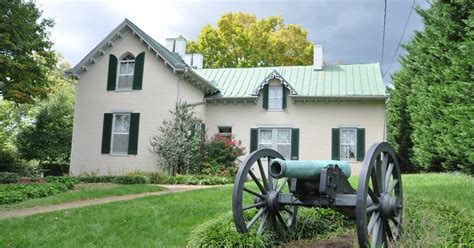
{"points": [[138, 71], [360, 144], [112, 76], [253, 139], [335, 155], [295, 143], [265, 96], [285, 93], [107, 133], [133, 133]]}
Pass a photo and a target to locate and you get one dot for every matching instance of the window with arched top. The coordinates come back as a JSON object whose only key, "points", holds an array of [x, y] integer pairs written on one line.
{"points": [[126, 68]]}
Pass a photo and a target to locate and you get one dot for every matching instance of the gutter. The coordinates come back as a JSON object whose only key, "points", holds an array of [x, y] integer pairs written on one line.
{"points": [[340, 97]]}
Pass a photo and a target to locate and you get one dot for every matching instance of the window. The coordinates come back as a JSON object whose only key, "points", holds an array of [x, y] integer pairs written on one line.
{"points": [[275, 97], [225, 130], [126, 67], [120, 133], [276, 139], [348, 143]]}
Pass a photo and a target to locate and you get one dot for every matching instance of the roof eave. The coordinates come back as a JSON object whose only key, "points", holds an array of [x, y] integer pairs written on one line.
{"points": [[108, 42]]}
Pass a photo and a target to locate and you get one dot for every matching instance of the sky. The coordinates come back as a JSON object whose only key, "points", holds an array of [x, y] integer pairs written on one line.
{"points": [[350, 31]]}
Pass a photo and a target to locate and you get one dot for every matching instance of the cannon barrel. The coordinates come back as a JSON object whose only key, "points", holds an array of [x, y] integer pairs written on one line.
{"points": [[305, 169]]}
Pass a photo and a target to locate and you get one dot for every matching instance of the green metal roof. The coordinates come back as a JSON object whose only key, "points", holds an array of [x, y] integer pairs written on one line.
{"points": [[358, 80]]}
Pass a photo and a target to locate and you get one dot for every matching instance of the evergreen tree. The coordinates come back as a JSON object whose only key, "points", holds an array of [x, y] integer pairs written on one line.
{"points": [[430, 111]]}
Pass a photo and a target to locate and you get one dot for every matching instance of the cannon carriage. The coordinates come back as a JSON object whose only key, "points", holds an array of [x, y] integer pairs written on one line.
{"points": [[277, 187]]}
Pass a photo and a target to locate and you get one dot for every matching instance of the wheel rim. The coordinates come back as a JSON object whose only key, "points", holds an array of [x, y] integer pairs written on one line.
{"points": [[264, 211], [379, 205]]}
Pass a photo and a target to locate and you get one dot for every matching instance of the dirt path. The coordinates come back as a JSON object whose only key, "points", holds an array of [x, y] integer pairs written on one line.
{"points": [[97, 201]]}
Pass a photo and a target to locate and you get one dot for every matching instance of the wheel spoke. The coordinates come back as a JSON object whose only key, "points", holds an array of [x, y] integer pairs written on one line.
{"points": [[375, 182], [383, 167], [372, 196], [388, 174], [254, 193], [255, 179], [255, 218], [372, 208], [282, 222], [262, 173], [392, 186], [256, 205], [289, 211], [372, 222], [284, 181], [375, 234], [270, 179], [388, 230], [262, 222], [395, 221]]}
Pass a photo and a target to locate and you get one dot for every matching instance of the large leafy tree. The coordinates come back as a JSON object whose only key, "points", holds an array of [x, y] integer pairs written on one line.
{"points": [[25, 51], [431, 106], [43, 131], [242, 40]]}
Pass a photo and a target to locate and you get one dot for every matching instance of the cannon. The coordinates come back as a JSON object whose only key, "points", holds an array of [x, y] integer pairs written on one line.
{"points": [[269, 189]]}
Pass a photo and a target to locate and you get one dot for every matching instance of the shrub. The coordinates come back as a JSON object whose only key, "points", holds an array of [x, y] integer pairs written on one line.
{"points": [[66, 180], [114, 179], [310, 223], [130, 180], [221, 232], [221, 154], [8, 177]]}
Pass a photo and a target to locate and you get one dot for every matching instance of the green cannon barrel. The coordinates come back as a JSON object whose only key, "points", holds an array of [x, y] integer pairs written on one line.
{"points": [[305, 169]]}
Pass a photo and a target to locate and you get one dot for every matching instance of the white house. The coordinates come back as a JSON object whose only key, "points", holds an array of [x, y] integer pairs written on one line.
{"points": [[129, 82]]}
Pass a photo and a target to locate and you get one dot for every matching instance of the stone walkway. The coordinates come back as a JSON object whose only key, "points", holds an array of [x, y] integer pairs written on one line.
{"points": [[97, 201]]}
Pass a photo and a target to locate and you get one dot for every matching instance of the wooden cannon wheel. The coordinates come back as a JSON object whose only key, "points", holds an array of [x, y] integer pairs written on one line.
{"points": [[263, 211], [379, 202]]}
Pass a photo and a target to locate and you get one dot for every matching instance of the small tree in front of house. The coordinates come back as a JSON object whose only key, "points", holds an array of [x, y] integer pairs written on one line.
{"points": [[178, 146]]}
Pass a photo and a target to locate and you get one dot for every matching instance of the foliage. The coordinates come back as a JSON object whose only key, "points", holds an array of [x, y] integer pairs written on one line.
{"points": [[428, 113], [12, 193], [8, 177], [114, 179], [311, 223], [25, 51], [241, 40], [178, 144], [221, 232], [47, 137], [221, 154], [68, 181], [161, 178]]}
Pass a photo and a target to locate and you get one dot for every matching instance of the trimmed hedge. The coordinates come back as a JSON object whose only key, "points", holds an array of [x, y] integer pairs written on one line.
{"points": [[160, 178], [114, 179]]}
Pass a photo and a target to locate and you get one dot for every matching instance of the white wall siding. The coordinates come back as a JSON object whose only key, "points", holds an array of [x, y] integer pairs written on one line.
{"points": [[160, 91]]}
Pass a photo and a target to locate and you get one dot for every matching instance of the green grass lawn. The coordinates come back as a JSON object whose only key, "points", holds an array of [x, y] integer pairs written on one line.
{"points": [[437, 208], [85, 191]]}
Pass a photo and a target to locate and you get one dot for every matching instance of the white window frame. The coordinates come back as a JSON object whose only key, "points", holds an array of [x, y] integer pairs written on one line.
{"points": [[119, 64], [275, 138], [347, 144], [279, 97], [113, 133]]}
